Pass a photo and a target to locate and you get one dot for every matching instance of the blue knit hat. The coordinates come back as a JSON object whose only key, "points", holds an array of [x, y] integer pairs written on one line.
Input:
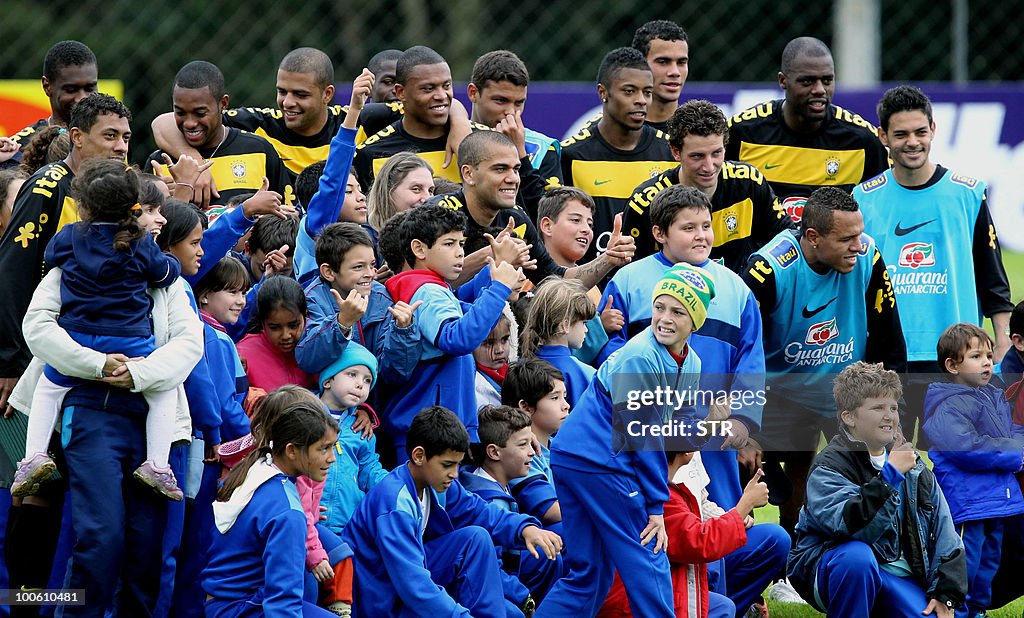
{"points": [[353, 355]]}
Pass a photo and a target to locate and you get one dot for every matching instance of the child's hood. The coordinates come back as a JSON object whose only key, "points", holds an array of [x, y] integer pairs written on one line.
{"points": [[402, 286], [226, 513], [939, 392]]}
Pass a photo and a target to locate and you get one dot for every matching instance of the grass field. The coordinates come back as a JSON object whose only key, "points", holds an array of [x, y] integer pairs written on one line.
{"points": [[1014, 263]]}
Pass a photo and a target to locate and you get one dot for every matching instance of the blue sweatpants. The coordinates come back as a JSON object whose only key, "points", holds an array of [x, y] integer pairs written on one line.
{"points": [[172, 534], [723, 470], [850, 584], [463, 563], [118, 522], [540, 574], [749, 569], [602, 517], [252, 607], [720, 606], [195, 544], [983, 548]]}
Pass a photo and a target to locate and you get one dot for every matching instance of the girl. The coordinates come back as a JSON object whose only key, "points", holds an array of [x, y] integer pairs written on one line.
{"points": [[556, 325], [492, 358], [108, 261], [48, 145], [404, 182], [221, 297], [269, 353], [256, 558]]}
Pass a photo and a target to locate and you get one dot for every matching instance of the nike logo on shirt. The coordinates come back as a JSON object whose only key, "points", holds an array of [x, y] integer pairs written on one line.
{"points": [[903, 231], [810, 313]]}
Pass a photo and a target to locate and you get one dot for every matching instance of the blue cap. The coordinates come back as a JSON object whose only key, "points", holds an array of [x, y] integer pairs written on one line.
{"points": [[353, 355]]}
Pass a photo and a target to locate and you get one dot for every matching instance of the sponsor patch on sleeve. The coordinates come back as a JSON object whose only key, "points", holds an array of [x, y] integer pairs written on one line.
{"points": [[966, 181], [875, 183], [785, 253]]}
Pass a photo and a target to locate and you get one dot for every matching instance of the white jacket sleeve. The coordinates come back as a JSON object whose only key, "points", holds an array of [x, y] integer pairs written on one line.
{"points": [[168, 366], [51, 343]]}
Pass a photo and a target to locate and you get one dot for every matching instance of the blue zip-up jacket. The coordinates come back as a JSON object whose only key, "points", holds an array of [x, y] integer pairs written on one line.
{"points": [[230, 383], [535, 493], [264, 550], [848, 499], [729, 343], [577, 374], [975, 448], [103, 289], [323, 342], [324, 207], [594, 437], [390, 567], [449, 331], [355, 471]]}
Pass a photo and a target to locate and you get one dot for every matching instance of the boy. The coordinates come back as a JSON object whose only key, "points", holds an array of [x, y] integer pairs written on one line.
{"points": [[345, 303], [975, 449], [875, 535], [697, 538], [432, 240], [565, 221], [1011, 368], [504, 454], [418, 534], [732, 357], [610, 468], [344, 388], [537, 387]]}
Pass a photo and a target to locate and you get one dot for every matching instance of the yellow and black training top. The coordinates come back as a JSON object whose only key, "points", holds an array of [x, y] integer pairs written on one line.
{"points": [[610, 174], [239, 165], [844, 152]]}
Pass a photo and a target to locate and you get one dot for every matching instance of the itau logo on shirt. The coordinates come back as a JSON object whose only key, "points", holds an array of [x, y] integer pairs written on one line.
{"points": [[822, 332], [917, 255], [794, 207]]}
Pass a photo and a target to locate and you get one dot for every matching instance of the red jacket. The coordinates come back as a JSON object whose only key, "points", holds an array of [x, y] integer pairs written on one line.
{"points": [[692, 543]]}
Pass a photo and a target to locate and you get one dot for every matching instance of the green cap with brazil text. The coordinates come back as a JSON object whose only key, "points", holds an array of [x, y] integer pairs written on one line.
{"points": [[692, 286]]}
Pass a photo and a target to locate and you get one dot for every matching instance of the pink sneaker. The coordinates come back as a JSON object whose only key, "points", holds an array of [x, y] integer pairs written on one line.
{"points": [[32, 473], [160, 480]]}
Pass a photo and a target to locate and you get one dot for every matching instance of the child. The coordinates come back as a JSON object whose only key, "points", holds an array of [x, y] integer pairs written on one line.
{"points": [[432, 238], [334, 196], [420, 538], [492, 358], [344, 388], [108, 262], [695, 539], [221, 297], [730, 349], [565, 222], [1011, 368], [612, 488], [852, 556], [504, 454], [256, 558], [346, 304], [269, 353], [556, 325], [538, 388], [10, 183], [975, 449]]}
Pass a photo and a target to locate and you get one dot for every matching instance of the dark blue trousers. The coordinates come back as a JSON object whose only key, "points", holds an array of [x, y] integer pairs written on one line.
{"points": [[983, 548], [118, 522], [172, 534], [850, 584], [602, 517]]}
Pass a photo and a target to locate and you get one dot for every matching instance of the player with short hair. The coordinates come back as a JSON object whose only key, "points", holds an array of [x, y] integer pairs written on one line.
{"points": [[619, 152], [934, 230], [804, 142], [383, 65], [667, 49], [745, 213]]}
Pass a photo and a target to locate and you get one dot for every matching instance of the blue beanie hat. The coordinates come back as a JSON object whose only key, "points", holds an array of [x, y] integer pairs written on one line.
{"points": [[353, 355]]}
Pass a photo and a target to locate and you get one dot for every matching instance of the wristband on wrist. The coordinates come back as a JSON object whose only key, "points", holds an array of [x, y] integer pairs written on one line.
{"points": [[185, 184]]}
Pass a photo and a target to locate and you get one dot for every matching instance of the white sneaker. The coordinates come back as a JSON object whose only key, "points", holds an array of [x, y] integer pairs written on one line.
{"points": [[783, 592]]}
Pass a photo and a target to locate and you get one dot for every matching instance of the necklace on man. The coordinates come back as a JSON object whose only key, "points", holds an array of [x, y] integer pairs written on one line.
{"points": [[225, 131]]}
